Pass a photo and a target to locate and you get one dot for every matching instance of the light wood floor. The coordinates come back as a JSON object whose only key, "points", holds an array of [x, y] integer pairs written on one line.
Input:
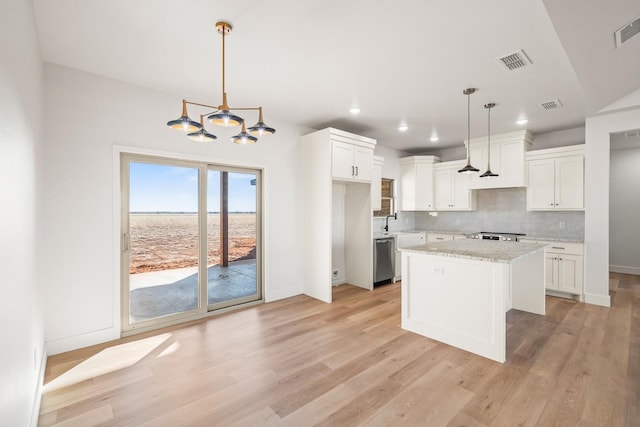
{"points": [[300, 362]]}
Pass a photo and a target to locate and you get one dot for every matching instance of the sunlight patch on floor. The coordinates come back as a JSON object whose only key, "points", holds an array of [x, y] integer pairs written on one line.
{"points": [[109, 360]]}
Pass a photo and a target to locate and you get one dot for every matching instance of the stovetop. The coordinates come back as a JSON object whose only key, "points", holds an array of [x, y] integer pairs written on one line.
{"points": [[498, 236]]}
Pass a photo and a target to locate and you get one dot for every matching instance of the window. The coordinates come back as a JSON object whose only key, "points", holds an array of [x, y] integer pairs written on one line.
{"points": [[387, 199]]}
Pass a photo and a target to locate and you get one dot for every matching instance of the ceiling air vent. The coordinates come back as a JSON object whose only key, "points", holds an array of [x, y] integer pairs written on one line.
{"points": [[625, 33], [514, 61], [554, 104]]}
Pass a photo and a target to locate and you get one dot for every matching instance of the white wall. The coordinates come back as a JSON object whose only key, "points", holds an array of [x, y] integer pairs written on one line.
{"points": [[597, 140], [21, 322], [391, 165], [338, 260], [559, 138], [86, 116], [624, 205]]}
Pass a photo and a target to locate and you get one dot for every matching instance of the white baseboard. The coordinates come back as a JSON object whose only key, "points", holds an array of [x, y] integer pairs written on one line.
{"points": [[603, 300], [624, 269], [282, 294], [62, 345], [37, 399]]}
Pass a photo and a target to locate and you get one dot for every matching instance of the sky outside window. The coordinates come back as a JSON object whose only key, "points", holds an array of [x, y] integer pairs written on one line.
{"points": [[161, 188]]}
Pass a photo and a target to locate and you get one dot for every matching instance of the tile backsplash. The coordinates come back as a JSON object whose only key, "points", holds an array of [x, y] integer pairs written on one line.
{"points": [[499, 210]]}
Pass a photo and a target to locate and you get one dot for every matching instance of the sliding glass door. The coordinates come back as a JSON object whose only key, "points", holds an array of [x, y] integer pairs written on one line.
{"points": [[232, 230], [190, 240]]}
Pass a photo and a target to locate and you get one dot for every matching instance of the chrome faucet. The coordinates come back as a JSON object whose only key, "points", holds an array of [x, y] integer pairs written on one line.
{"points": [[386, 220]]}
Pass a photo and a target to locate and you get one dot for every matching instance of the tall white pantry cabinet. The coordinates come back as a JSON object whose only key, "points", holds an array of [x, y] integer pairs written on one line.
{"points": [[328, 156]]}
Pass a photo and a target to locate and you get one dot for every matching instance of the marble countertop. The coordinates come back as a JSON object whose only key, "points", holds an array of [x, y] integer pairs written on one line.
{"points": [[480, 250], [552, 239]]}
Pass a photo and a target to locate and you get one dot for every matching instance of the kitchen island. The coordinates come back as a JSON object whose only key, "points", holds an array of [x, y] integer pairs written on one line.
{"points": [[458, 291]]}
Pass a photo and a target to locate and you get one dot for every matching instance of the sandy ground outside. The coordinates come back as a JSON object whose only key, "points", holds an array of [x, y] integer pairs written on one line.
{"points": [[169, 242]]}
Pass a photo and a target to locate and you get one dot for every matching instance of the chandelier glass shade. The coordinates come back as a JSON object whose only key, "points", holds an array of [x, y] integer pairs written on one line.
{"points": [[201, 135], [221, 115]]}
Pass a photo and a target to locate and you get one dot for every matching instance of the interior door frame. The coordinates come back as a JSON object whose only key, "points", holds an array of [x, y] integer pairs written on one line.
{"points": [[125, 156]]}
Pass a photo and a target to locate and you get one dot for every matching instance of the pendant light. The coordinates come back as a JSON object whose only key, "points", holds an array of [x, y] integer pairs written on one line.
{"points": [[222, 114], [243, 137], [488, 173], [201, 135], [468, 168]]}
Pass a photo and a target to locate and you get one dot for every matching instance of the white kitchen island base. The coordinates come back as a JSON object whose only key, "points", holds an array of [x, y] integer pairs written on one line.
{"points": [[462, 301]]}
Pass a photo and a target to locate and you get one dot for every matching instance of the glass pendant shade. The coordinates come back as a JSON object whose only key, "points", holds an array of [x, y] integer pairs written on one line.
{"points": [[225, 118], [260, 128], [243, 137], [184, 122], [202, 135]]}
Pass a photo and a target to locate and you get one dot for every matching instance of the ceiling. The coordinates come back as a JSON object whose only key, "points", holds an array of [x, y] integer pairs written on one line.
{"points": [[307, 62]]}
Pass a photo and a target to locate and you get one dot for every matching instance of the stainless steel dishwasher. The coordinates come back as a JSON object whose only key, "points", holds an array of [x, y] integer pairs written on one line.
{"points": [[383, 260]]}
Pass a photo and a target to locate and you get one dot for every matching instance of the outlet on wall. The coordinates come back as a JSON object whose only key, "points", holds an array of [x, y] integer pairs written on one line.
{"points": [[562, 225], [335, 273]]}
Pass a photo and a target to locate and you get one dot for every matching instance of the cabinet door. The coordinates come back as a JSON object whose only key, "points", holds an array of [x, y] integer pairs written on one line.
{"points": [[541, 189], [408, 187], [569, 185], [461, 193], [363, 162], [342, 166], [570, 273], [424, 187], [512, 163], [551, 271], [443, 184]]}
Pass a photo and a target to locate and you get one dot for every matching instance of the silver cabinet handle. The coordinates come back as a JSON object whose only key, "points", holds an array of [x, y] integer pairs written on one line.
{"points": [[356, 171], [557, 247]]}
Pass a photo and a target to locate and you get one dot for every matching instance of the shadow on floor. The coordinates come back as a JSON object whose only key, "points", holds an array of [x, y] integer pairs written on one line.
{"points": [[148, 301]]}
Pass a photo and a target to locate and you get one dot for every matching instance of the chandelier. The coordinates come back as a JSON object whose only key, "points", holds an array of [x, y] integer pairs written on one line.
{"points": [[222, 114]]}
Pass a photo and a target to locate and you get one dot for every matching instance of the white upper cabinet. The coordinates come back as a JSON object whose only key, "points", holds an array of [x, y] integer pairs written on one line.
{"points": [[452, 191], [556, 179], [416, 183], [351, 162], [376, 183], [508, 152]]}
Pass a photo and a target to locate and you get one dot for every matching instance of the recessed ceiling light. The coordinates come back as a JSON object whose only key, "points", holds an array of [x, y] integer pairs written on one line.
{"points": [[434, 139], [522, 122], [354, 110], [403, 128]]}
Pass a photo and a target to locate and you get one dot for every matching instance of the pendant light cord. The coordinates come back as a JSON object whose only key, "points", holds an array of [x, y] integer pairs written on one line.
{"points": [[469, 128], [489, 140], [223, 35]]}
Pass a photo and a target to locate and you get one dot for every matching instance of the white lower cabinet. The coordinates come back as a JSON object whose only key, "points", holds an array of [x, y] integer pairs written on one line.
{"points": [[405, 240], [563, 267]]}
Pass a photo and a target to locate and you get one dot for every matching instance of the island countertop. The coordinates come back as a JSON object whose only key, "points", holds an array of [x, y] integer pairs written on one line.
{"points": [[481, 250]]}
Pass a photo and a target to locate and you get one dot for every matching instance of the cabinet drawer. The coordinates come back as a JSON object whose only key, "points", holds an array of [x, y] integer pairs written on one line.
{"points": [[559, 247], [565, 248], [438, 237]]}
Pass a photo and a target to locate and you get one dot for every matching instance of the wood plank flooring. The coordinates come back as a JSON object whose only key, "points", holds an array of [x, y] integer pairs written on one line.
{"points": [[301, 362]]}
